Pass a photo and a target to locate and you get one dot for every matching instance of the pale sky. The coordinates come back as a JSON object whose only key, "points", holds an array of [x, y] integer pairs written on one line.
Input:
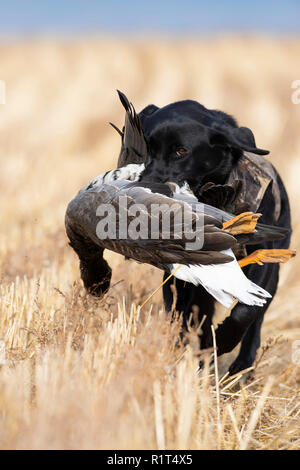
{"points": [[167, 17]]}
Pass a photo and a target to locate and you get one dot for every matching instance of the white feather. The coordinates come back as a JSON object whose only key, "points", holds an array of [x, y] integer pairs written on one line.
{"points": [[223, 281], [129, 172], [184, 190]]}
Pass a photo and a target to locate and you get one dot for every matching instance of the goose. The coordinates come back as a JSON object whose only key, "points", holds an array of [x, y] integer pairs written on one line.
{"points": [[213, 265]]}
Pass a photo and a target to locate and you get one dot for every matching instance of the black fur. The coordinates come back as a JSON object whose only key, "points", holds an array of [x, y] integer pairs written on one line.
{"points": [[94, 269], [187, 142]]}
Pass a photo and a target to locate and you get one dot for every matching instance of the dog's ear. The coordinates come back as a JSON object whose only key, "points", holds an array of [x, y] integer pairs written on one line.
{"points": [[150, 109], [237, 137]]}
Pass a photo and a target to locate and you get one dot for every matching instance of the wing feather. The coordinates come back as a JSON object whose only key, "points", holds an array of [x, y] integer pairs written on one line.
{"points": [[82, 217]]}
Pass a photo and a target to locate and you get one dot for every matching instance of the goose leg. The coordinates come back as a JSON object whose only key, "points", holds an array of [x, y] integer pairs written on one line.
{"points": [[267, 256]]}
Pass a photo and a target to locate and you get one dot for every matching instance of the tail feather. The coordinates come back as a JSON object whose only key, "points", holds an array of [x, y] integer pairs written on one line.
{"points": [[224, 282], [263, 233]]}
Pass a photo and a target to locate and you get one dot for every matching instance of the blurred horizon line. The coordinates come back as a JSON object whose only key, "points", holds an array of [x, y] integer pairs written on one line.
{"points": [[147, 35]]}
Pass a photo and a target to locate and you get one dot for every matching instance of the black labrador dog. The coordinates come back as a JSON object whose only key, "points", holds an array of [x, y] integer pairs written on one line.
{"points": [[187, 142]]}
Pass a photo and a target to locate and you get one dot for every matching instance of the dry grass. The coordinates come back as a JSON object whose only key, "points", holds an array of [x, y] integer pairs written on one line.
{"points": [[80, 373]]}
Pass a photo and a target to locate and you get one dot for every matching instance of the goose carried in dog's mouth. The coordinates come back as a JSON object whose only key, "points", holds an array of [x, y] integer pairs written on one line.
{"points": [[212, 263]]}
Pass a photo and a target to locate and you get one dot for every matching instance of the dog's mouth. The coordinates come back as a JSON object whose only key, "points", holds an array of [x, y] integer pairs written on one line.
{"points": [[156, 178]]}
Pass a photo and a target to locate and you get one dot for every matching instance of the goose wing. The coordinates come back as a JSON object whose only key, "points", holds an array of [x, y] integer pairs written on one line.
{"points": [[85, 217]]}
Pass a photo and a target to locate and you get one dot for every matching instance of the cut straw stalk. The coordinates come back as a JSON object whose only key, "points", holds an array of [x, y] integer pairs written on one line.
{"points": [[217, 385], [157, 289], [247, 434], [159, 424]]}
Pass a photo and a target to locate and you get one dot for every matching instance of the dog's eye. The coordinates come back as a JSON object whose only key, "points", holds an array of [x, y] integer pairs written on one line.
{"points": [[180, 152]]}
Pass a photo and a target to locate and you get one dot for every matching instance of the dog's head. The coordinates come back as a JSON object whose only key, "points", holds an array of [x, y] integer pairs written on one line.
{"points": [[186, 141]]}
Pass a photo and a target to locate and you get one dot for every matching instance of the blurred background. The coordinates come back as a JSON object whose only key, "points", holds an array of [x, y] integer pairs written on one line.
{"points": [[61, 63]]}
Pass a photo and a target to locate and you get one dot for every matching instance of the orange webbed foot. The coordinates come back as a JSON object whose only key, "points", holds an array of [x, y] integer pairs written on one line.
{"points": [[242, 223], [267, 256]]}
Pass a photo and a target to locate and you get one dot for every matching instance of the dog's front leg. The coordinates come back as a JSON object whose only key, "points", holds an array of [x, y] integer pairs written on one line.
{"points": [[94, 269], [245, 322], [251, 340]]}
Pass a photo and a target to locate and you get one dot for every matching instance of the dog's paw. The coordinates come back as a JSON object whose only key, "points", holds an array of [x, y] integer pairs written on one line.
{"points": [[239, 365]]}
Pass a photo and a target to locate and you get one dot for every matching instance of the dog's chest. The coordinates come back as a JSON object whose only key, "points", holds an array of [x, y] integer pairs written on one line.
{"points": [[256, 174]]}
